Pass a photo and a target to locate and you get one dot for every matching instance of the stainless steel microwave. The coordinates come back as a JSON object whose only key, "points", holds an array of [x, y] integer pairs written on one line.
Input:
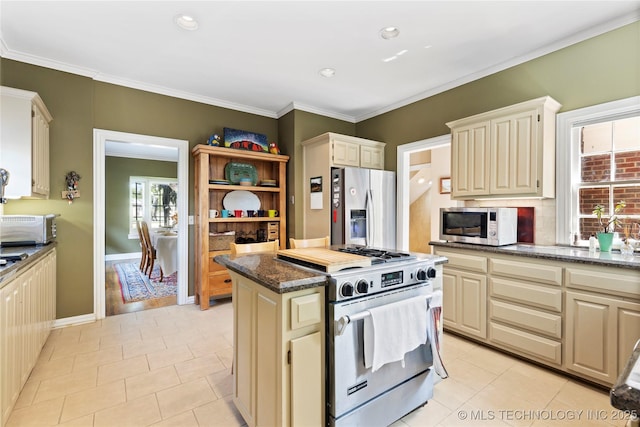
{"points": [[27, 230], [481, 226]]}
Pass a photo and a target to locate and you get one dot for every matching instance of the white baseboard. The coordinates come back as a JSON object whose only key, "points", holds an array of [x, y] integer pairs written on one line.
{"points": [[73, 321]]}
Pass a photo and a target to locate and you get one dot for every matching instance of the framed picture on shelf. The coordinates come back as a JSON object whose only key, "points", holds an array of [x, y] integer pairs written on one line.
{"points": [[244, 140], [445, 185]]}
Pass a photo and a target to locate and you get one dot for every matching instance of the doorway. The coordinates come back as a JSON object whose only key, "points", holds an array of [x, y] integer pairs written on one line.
{"points": [[430, 196], [143, 144]]}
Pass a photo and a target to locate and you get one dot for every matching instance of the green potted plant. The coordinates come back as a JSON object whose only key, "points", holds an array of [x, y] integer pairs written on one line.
{"points": [[607, 225]]}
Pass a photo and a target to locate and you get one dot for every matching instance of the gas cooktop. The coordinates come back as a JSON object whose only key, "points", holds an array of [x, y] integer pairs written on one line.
{"points": [[378, 256]]}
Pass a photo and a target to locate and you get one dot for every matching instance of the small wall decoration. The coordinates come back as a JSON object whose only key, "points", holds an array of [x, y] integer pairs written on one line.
{"points": [[244, 140], [315, 185], [214, 140], [72, 192], [445, 185]]}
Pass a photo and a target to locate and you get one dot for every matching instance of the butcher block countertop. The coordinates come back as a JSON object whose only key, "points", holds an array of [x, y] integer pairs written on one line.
{"points": [[557, 253], [282, 276]]}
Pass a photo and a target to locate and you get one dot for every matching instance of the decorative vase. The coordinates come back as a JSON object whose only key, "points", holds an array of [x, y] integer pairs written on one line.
{"points": [[605, 240]]}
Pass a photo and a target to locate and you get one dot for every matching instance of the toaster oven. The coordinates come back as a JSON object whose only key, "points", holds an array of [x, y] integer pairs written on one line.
{"points": [[27, 230]]}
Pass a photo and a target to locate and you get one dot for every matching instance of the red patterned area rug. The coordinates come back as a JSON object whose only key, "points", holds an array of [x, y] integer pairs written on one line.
{"points": [[136, 286]]}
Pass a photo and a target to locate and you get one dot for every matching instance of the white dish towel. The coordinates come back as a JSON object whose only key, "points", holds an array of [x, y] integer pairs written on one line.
{"points": [[393, 330]]}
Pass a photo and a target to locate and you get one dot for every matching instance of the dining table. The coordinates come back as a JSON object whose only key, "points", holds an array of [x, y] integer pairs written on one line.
{"points": [[166, 244]]}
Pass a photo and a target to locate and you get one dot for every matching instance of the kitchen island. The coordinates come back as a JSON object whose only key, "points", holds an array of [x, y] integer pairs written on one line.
{"points": [[278, 340], [281, 374], [563, 307]]}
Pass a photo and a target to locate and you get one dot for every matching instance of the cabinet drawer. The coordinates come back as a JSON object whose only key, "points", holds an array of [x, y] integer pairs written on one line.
{"points": [[526, 318], [538, 347], [214, 267], [525, 293], [625, 283], [305, 311], [542, 273], [465, 262], [219, 284]]}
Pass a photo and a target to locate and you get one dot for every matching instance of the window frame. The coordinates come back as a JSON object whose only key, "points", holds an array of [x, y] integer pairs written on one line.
{"points": [[568, 126], [147, 208]]}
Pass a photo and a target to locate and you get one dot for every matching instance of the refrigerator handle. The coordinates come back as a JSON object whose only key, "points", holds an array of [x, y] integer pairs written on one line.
{"points": [[370, 219]]}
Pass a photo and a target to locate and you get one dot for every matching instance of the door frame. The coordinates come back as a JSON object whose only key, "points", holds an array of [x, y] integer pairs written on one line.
{"points": [[100, 137], [403, 167]]}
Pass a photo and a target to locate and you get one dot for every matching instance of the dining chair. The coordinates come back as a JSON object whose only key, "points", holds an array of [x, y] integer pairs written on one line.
{"points": [[246, 248], [320, 242], [143, 247], [151, 251]]}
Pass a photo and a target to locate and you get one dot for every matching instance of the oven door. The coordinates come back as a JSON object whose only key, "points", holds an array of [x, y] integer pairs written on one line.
{"points": [[355, 394]]}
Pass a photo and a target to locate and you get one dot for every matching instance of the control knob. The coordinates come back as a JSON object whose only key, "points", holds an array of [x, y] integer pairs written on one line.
{"points": [[431, 273], [362, 286], [421, 275], [346, 290]]}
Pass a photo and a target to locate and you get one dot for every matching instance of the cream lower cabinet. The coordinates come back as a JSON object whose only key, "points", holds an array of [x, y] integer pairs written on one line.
{"points": [[525, 308], [464, 289], [604, 325], [278, 355], [27, 313]]}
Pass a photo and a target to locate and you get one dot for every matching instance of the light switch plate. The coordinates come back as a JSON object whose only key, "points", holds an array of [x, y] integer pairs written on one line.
{"points": [[191, 220]]}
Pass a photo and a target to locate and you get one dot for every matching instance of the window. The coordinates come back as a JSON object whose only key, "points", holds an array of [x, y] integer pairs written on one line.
{"points": [[598, 163], [153, 200]]}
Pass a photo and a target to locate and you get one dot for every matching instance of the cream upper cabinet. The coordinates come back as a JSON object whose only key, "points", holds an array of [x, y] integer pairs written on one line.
{"points": [[505, 152], [470, 160], [24, 143], [347, 150]]}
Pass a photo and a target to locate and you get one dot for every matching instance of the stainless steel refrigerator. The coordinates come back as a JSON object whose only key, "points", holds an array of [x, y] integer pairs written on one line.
{"points": [[363, 207]]}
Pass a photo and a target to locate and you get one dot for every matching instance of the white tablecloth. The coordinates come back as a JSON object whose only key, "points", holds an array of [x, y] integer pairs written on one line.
{"points": [[166, 252]]}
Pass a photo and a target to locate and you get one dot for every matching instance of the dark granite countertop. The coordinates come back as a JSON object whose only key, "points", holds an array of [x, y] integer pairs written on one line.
{"points": [[11, 268], [272, 273], [282, 276], [557, 253]]}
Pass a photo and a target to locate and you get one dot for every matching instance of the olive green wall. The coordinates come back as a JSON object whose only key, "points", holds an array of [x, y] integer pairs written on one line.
{"points": [[118, 171], [78, 105], [601, 69]]}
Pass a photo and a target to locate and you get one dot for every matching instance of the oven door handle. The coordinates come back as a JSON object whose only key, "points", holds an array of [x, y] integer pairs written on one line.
{"points": [[343, 322]]}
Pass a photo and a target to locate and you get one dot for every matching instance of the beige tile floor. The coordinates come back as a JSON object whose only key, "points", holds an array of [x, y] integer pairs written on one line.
{"points": [[170, 366]]}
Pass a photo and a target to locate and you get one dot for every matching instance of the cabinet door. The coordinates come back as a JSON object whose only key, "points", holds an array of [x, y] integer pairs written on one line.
{"points": [[40, 142], [514, 154], [470, 160], [628, 317], [465, 302], [371, 157], [591, 336], [346, 153], [306, 381]]}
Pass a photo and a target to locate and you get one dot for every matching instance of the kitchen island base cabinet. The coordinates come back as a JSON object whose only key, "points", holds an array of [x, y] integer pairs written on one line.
{"points": [[278, 355]]}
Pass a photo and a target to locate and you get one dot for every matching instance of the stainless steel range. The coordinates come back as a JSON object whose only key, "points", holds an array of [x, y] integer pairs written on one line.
{"points": [[357, 394]]}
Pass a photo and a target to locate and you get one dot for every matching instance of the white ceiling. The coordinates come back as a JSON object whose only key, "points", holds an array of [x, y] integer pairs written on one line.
{"points": [[263, 57]]}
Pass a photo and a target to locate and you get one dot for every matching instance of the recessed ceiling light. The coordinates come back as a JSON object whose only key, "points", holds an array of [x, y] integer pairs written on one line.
{"points": [[327, 72], [186, 22], [389, 33], [420, 180]]}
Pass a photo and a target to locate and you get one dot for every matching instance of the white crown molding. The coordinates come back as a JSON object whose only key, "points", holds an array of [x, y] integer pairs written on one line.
{"points": [[309, 109], [5, 52], [561, 44]]}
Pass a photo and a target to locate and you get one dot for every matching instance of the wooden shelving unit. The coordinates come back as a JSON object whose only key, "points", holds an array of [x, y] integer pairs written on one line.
{"points": [[211, 279]]}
